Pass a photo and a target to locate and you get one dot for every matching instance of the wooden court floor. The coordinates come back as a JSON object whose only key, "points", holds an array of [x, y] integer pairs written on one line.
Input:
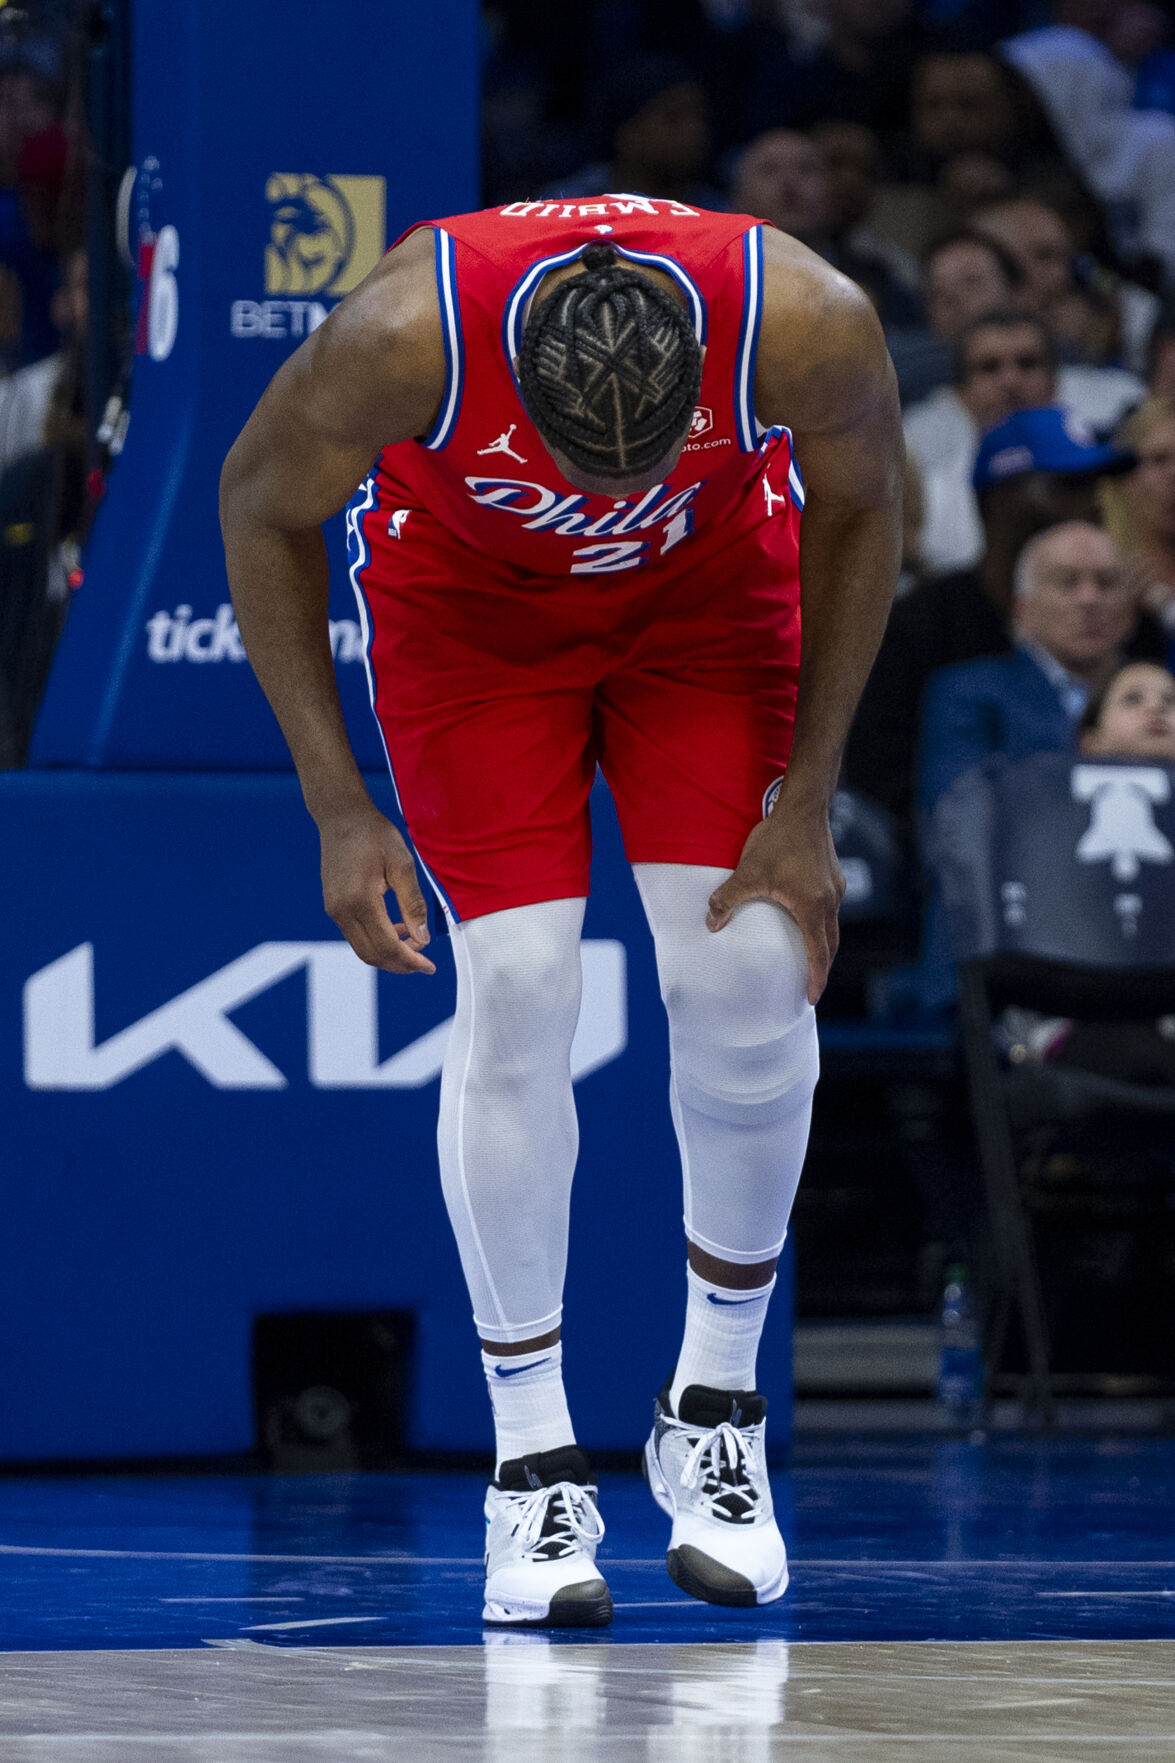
{"points": [[1010, 1601]]}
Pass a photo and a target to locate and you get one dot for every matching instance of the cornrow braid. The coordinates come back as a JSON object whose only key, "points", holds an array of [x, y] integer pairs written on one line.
{"points": [[610, 368]]}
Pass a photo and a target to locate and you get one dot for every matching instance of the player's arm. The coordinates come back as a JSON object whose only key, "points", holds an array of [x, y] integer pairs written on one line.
{"points": [[823, 370], [371, 375]]}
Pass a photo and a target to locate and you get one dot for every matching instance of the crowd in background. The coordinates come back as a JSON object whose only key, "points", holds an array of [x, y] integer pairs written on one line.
{"points": [[43, 329], [999, 176]]}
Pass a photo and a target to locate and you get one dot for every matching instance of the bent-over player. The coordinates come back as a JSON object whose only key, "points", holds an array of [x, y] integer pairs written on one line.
{"points": [[579, 545]]}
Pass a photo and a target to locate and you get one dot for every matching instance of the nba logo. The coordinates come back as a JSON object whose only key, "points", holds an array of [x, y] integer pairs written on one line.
{"points": [[703, 422]]}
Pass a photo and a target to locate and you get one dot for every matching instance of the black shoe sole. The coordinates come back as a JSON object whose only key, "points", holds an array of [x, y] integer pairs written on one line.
{"points": [[579, 1612], [704, 1578], [575, 1606]]}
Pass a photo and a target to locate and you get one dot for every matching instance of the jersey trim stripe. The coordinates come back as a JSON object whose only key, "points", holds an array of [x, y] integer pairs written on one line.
{"points": [[748, 430], [446, 268], [361, 504], [795, 480], [516, 304]]}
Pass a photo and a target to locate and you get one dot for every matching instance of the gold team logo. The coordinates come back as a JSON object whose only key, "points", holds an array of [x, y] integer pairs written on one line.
{"points": [[325, 233]]}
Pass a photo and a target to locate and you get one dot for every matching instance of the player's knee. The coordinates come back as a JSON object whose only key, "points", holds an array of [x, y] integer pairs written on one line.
{"points": [[743, 1032], [524, 992]]}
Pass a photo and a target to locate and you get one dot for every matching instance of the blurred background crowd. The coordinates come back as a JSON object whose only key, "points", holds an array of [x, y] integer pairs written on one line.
{"points": [[999, 176]]}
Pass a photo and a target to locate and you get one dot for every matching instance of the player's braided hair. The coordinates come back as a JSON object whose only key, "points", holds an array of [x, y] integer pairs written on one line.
{"points": [[610, 368]]}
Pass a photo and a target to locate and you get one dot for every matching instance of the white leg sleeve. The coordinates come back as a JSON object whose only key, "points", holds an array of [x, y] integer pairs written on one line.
{"points": [[744, 1058], [508, 1135]]}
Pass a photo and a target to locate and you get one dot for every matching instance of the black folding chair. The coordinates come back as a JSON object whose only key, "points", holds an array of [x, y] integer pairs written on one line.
{"points": [[1058, 879]]}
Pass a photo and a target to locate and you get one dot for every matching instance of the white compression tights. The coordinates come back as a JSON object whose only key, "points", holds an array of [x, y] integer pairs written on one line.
{"points": [[743, 1042]]}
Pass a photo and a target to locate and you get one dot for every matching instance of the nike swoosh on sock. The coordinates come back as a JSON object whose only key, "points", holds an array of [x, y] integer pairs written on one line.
{"points": [[714, 1299], [517, 1370]]}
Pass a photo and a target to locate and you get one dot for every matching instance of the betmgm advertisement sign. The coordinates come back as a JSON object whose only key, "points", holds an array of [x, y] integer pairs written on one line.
{"points": [[325, 234]]}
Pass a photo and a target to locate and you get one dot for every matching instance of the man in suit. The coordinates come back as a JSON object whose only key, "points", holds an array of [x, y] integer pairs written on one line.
{"points": [[1033, 471], [1073, 610]]}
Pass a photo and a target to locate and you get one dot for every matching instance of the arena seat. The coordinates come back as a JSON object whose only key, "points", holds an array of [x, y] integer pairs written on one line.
{"points": [[1058, 878]]}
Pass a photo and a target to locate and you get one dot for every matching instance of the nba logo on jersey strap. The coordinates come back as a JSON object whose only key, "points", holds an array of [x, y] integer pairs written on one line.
{"points": [[702, 423]]}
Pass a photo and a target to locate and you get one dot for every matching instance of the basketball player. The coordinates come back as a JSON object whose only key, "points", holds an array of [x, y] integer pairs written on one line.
{"points": [[579, 545]]}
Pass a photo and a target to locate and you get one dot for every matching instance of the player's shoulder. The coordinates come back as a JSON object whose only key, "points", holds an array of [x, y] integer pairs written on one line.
{"points": [[801, 288], [382, 347], [394, 312], [822, 359]]}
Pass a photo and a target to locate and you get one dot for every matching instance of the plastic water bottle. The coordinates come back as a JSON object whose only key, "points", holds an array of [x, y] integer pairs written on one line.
{"points": [[960, 1366]]}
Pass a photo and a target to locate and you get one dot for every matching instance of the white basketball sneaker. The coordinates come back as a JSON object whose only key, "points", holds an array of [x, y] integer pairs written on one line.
{"points": [[707, 1469], [542, 1531]]}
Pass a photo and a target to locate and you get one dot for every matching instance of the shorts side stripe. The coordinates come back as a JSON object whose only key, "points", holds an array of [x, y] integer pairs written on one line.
{"points": [[361, 505]]}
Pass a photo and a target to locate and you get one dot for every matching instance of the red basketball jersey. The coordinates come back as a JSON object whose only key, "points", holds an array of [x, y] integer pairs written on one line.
{"points": [[484, 473]]}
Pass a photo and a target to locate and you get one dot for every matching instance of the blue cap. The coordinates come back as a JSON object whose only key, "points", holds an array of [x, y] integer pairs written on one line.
{"points": [[1050, 440]]}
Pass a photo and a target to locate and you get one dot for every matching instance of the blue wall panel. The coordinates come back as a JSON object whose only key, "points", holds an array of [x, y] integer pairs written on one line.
{"points": [[148, 1221]]}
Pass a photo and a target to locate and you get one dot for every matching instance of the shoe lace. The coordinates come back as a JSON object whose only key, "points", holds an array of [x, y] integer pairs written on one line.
{"points": [[556, 1521], [721, 1460]]}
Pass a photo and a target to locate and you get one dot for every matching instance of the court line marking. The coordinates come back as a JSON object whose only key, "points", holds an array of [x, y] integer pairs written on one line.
{"points": [[310, 1622], [862, 1563], [220, 1555], [1106, 1594]]}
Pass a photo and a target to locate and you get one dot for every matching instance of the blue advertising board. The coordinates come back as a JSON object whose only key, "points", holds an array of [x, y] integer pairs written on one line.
{"points": [[279, 147], [213, 1111]]}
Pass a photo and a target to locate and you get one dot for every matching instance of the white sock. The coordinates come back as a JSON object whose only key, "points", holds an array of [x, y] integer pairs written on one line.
{"points": [[530, 1408], [722, 1329]]}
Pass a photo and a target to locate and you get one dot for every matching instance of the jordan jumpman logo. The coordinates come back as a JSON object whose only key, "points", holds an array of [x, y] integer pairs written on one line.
{"points": [[502, 445], [772, 497]]}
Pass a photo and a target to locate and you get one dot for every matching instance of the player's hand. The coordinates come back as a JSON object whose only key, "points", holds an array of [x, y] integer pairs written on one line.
{"points": [[790, 859], [363, 856]]}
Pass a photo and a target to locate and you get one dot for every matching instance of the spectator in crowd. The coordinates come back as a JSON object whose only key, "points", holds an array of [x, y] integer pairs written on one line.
{"points": [[654, 118], [1139, 508], [783, 176], [852, 159], [965, 275], [26, 394], [1099, 324], [1032, 472], [33, 151], [1073, 612], [1127, 156], [1133, 717], [42, 505], [860, 67], [961, 103], [1005, 361]]}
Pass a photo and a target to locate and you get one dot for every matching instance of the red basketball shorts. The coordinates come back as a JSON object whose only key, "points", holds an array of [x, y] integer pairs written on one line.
{"points": [[499, 693]]}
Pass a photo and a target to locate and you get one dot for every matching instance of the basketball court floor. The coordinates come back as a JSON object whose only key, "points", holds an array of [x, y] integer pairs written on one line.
{"points": [[949, 1601]]}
